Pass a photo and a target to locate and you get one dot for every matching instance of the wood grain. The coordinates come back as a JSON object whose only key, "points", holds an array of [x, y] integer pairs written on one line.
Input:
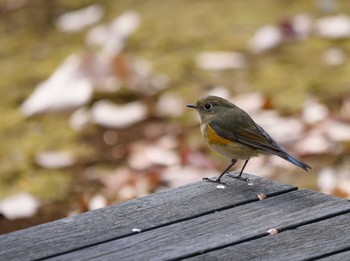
{"points": [[148, 213], [232, 226], [308, 242]]}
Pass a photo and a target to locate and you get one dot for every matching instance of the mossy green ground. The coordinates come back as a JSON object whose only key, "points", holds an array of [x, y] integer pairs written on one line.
{"points": [[171, 35]]}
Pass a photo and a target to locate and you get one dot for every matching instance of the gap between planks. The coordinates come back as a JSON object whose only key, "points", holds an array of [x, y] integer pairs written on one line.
{"points": [[280, 230], [331, 255], [271, 194], [301, 204]]}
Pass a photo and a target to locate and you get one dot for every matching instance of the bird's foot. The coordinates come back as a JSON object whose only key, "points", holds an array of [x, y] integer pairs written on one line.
{"points": [[239, 177], [218, 181]]}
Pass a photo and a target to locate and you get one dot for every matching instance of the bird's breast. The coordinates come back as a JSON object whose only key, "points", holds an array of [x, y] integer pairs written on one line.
{"points": [[228, 148]]}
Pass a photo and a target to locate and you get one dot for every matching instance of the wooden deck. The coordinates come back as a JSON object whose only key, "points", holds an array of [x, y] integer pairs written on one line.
{"points": [[198, 221]]}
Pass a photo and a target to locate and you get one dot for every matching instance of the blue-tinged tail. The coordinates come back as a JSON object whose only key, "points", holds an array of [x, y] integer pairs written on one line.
{"points": [[298, 163]]}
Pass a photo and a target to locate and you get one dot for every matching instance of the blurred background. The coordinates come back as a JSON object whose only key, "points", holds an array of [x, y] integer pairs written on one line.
{"points": [[93, 95]]}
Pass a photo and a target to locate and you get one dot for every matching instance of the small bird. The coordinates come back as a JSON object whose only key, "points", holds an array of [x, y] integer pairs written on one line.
{"points": [[230, 131]]}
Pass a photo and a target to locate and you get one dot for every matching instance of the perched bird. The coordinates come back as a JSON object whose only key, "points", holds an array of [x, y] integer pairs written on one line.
{"points": [[230, 131]]}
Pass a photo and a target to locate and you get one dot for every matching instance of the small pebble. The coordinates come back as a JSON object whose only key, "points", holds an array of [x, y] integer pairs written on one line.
{"points": [[220, 186], [250, 184]]}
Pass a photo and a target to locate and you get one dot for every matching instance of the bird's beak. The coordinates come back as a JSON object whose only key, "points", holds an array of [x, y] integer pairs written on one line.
{"points": [[193, 106]]}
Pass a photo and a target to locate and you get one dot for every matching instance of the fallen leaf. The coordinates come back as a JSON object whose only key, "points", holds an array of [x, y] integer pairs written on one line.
{"points": [[97, 201], [266, 38], [261, 196], [19, 206], [66, 89], [272, 231], [314, 112], [216, 61], [334, 56], [77, 20], [107, 114], [54, 159], [170, 105], [333, 27]]}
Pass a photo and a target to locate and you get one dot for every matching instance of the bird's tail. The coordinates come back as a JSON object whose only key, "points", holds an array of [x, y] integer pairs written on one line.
{"points": [[297, 162]]}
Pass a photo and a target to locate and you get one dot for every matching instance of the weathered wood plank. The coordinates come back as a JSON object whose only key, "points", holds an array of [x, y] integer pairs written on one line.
{"points": [[216, 230], [145, 213], [339, 256], [307, 242]]}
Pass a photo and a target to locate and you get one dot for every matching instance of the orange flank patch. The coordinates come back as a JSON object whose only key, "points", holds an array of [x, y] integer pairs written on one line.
{"points": [[213, 137]]}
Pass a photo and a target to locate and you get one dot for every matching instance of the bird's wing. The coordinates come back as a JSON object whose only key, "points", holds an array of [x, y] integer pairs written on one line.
{"points": [[238, 126]]}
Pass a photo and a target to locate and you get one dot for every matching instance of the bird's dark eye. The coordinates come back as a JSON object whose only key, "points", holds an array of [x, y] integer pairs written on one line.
{"points": [[207, 106]]}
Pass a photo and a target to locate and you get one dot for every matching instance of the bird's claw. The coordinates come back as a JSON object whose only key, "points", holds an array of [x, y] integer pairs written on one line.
{"points": [[214, 181], [239, 177]]}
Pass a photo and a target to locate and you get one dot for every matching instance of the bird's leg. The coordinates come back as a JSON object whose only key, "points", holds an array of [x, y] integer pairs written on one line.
{"points": [[240, 173], [233, 162]]}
